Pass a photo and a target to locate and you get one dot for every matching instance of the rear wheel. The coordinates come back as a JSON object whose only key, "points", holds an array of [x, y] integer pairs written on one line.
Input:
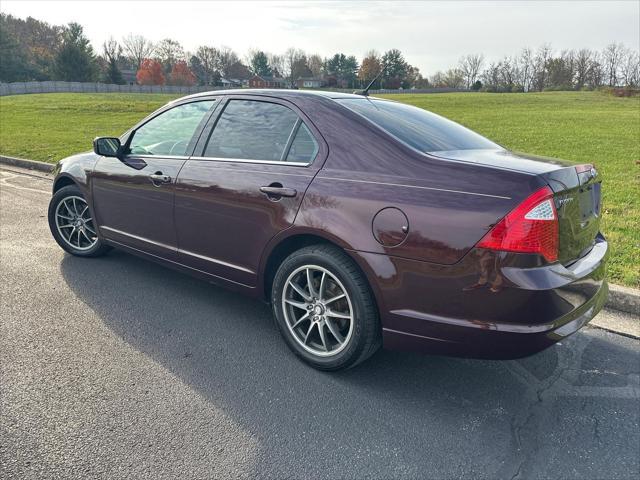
{"points": [[72, 223], [324, 308]]}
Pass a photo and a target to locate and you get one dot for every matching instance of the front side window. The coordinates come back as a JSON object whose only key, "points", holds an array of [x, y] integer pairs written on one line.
{"points": [[422, 130], [257, 130], [170, 132]]}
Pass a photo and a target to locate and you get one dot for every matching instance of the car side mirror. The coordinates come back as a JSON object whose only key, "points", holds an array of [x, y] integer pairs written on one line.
{"points": [[107, 146]]}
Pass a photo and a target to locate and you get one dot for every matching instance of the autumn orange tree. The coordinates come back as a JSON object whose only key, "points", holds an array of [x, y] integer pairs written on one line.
{"points": [[182, 75], [150, 73]]}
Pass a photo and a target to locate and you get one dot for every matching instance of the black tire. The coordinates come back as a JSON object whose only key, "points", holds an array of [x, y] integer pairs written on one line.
{"points": [[365, 337], [86, 248]]}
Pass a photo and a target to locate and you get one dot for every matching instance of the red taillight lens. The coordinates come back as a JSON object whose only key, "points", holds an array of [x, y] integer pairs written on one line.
{"points": [[531, 227]]}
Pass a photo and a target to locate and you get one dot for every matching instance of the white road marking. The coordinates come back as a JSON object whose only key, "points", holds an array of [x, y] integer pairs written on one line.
{"points": [[6, 176]]}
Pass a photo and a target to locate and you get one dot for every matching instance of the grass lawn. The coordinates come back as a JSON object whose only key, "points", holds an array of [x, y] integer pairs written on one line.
{"points": [[581, 126]]}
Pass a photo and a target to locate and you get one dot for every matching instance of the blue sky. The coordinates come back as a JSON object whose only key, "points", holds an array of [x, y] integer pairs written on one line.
{"points": [[432, 35]]}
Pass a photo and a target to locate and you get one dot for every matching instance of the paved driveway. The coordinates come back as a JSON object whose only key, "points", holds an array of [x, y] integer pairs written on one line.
{"points": [[117, 367]]}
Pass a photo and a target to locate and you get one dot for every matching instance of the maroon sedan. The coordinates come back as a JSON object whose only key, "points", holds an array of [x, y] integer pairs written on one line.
{"points": [[364, 222]]}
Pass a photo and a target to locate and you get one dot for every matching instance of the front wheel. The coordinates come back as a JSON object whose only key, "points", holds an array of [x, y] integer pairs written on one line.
{"points": [[324, 308], [72, 223]]}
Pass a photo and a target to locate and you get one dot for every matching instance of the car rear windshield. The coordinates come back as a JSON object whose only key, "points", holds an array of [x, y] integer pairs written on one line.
{"points": [[422, 130]]}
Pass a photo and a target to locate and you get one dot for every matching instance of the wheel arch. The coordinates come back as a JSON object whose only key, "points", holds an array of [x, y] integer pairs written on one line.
{"points": [[63, 181], [281, 247]]}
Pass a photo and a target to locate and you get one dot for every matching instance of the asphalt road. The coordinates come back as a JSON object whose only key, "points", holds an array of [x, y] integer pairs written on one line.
{"points": [[116, 367]]}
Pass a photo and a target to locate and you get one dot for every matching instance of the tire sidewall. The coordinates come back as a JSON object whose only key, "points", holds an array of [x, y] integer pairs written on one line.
{"points": [[356, 343], [64, 192]]}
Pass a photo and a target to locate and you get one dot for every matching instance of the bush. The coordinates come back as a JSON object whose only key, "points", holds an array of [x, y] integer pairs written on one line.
{"points": [[626, 92]]}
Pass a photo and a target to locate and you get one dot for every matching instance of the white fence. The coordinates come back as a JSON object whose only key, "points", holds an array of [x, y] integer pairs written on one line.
{"points": [[20, 88]]}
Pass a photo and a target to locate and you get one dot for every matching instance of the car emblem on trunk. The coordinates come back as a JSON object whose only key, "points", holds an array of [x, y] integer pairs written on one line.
{"points": [[564, 200]]}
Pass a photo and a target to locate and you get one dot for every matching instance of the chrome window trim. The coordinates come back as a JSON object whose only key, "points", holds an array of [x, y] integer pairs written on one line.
{"points": [[262, 162], [171, 157], [267, 99], [177, 103]]}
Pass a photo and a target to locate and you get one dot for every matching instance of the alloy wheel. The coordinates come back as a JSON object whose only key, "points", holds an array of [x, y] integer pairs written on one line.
{"points": [[318, 310], [75, 224]]}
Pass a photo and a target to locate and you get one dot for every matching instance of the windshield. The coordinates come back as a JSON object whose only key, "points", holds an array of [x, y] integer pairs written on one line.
{"points": [[422, 130]]}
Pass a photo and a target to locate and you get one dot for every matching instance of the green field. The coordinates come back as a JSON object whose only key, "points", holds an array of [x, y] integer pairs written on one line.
{"points": [[580, 126]]}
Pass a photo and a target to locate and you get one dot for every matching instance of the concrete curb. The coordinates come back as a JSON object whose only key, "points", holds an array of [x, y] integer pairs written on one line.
{"points": [[29, 164], [623, 299]]}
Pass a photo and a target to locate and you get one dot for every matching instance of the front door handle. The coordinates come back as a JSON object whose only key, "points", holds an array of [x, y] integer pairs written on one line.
{"points": [[159, 178], [276, 191]]}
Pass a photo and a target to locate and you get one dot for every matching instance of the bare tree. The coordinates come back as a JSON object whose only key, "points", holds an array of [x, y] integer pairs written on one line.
{"points": [[470, 66], [612, 56], [583, 65], [112, 51], [137, 48], [208, 57], [315, 64], [541, 66], [226, 59], [525, 68], [560, 70], [452, 78], [112, 55], [630, 69], [491, 77], [292, 58], [508, 73], [276, 62], [596, 72], [169, 51]]}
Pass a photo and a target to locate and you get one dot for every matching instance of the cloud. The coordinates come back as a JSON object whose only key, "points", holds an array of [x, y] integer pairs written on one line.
{"points": [[432, 35]]}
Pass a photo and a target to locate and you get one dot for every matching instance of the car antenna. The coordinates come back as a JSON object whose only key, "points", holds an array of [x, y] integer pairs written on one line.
{"points": [[365, 92]]}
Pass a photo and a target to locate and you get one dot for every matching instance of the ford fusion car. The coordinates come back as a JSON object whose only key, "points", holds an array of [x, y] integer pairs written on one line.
{"points": [[364, 222]]}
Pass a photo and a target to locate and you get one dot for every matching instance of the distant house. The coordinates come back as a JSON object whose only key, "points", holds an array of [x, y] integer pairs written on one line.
{"points": [[232, 82], [259, 81], [310, 82], [129, 76]]}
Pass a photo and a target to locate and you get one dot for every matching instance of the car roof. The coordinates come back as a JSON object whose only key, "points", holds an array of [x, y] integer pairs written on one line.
{"points": [[279, 92]]}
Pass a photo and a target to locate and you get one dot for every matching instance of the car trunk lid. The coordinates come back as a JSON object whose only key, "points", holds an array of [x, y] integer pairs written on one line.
{"points": [[577, 195], [576, 188]]}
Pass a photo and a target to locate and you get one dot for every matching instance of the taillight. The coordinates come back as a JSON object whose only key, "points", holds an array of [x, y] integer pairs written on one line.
{"points": [[531, 227]]}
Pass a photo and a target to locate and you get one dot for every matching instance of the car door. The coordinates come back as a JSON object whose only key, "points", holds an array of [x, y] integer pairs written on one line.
{"points": [[254, 163], [133, 196]]}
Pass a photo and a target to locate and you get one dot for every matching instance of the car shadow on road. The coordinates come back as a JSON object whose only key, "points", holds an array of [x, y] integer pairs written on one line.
{"points": [[398, 414]]}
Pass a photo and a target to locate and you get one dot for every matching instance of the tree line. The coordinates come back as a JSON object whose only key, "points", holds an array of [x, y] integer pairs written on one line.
{"points": [[543, 69], [34, 50]]}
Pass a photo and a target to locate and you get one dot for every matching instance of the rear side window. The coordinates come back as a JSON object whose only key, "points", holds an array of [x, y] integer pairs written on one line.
{"points": [[256, 130], [422, 130], [304, 147]]}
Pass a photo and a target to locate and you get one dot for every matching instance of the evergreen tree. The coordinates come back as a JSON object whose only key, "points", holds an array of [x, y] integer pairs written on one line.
{"points": [[260, 64], [75, 60], [12, 66], [112, 55]]}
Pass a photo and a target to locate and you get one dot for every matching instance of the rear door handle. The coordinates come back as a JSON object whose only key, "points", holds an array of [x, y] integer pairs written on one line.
{"points": [[277, 191], [159, 177]]}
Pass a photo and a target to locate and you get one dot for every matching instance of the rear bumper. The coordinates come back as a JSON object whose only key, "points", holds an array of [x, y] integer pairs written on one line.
{"points": [[498, 341], [486, 306]]}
